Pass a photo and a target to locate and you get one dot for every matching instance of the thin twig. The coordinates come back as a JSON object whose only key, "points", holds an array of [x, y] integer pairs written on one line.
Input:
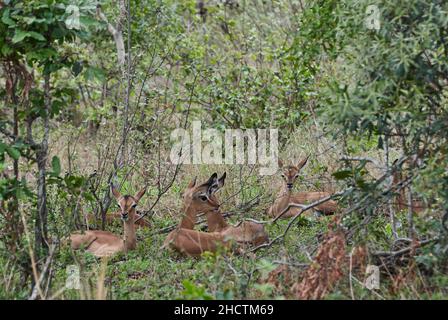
{"points": [[36, 288]]}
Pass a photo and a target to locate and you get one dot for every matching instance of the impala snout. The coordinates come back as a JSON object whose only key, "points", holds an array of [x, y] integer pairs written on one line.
{"points": [[125, 216], [289, 186]]}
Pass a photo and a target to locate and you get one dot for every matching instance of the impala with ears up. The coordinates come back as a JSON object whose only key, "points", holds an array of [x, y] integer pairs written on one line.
{"points": [[184, 238], [245, 232], [103, 243], [201, 198], [286, 196]]}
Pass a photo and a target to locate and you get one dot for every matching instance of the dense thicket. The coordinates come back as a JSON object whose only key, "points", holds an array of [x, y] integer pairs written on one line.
{"points": [[90, 92]]}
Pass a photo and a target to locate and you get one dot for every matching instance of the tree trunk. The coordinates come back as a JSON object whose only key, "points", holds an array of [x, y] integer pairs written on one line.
{"points": [[41, 233]]}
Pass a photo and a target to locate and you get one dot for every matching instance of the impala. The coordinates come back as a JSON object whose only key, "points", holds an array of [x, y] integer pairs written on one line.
{"points": [[246, 232], [201, 198], [184, 238], [286, 196], [104, 243]]}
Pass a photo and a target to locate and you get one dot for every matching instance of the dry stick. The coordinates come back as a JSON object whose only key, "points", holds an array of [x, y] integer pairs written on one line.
{"points": [[389, 202], [405, 250], [411, 231], [291, 264], [367, 159], [125, 132], [350, 274], [31, 253], [43, 273], [116, 33], [293, 219], [101, 293]]}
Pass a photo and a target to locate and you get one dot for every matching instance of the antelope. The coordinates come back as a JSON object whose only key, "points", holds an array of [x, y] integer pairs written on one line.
{"points": [[201, 198], [285, 196], [246, 232], [184, 238], [104, 243]]}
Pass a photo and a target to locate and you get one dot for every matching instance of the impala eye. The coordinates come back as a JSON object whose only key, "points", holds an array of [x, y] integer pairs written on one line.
{"points": [[203, 198], [134, 205]]}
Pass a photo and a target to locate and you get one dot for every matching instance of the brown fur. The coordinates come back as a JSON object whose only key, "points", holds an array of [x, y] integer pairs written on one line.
{"points": [[184, 239], [246, 232], [104, 243], [286, 196], [202, 199]]}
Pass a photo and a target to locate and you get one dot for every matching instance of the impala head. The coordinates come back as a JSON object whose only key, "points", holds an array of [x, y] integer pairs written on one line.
{"points": [[202, 196], [291, 173], [127, 203]]}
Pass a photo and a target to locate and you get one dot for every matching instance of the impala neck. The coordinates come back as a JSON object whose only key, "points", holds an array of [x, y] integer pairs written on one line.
{"points": [[129, 237], [216, 221], [189, 219], [283, 199]]}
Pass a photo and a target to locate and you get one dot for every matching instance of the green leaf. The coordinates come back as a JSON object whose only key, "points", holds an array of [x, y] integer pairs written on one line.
{"points": [[14, 153], [6, 50], [20, 35], [36, 36], [93, 73], [339, 175], [56, 165], [2, 148], [7, 20]]}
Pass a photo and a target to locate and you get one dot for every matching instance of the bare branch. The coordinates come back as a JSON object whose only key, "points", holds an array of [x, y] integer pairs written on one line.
{"points": [[35, 291], [116, 32]]}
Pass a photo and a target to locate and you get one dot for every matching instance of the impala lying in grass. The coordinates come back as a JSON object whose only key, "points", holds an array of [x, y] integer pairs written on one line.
{"points": [[104, 243], [202, 199], [184, 238], [286, 196], [245, 232]]}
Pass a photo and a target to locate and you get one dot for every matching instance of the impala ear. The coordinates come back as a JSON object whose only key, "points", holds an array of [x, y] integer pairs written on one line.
{"points": [[222, 180], [115, 192], [212, 180], [140, 194], [280, 163], [192, 183], [212, 183], [302, 163]]}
